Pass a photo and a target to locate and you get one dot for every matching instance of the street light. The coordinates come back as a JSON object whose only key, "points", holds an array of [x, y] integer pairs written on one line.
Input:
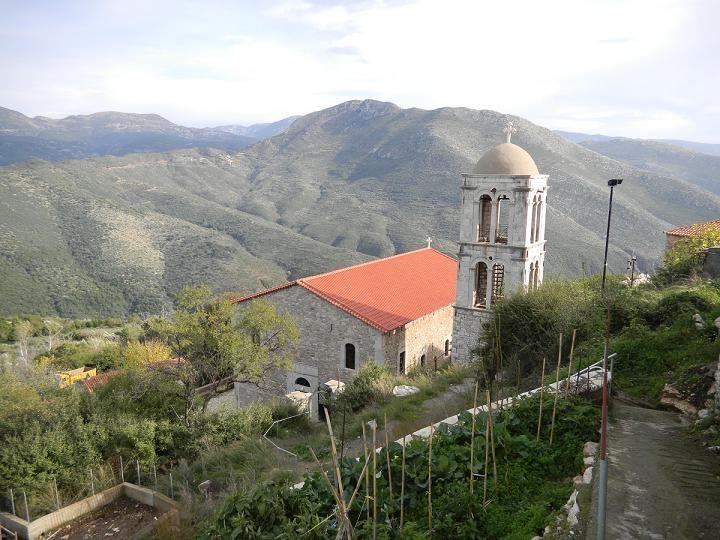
{"points": [[612, 183], [602, 488]]}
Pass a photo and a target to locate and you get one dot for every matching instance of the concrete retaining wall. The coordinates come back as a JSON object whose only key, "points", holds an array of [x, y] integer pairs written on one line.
{"points": [[54, 520]]}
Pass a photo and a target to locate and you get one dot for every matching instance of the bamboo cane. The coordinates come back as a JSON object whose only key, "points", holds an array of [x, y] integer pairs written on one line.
{"points": [[402, 485], [367, 474], [374, 479], [472, 439], [572, 349], [487, 448], [387, 457], [557, 391], [542, 384], [336, 464], [430, 439], [492, 444]]}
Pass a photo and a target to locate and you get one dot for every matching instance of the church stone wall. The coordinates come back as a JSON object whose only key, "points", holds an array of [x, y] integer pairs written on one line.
{"points": [[324, 331], [427, 336]]}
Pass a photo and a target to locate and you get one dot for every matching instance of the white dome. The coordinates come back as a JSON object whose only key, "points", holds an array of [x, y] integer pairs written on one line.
{"points": [[506, 159]]}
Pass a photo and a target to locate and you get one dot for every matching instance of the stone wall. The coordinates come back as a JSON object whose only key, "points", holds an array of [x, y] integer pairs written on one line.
{"points": [[427, 336], [324, 331], [466, 333]]}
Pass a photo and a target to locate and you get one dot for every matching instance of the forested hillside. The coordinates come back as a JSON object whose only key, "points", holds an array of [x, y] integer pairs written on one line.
{"points": [[363, 179]]}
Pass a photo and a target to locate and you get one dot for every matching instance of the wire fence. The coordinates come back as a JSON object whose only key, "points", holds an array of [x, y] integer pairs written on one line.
{"points": [[31, 505]]}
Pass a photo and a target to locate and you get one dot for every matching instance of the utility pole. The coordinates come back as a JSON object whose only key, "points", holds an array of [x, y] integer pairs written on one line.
{"points": [[602, 499], [612, 183]]}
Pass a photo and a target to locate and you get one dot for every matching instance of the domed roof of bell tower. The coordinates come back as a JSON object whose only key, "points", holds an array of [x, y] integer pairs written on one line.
{"points": [[506, 159]]}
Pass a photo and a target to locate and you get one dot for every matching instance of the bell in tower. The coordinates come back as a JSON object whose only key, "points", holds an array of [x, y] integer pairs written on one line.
{"points": [[502, 238]]}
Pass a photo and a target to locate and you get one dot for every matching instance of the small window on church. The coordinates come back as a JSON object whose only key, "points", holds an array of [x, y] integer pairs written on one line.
{"points": [[484, 223], [302, 381], [447, 347], [349, 356], [498, 276], [480, 293], [422, 361], [538, 213], [503, 214]]}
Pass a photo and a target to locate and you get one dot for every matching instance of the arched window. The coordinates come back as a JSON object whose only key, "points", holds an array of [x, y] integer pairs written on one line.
{"points": [[447, 347], [538, 213], [498, 276], [531, 274], [302, 381], [349, 356], [480, 292], [503, 219], [533, 230], [422, 361], [484, 223]]}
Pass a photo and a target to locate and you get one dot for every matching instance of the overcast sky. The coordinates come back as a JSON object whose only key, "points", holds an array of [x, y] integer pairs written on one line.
{"points": [[620, 67]]}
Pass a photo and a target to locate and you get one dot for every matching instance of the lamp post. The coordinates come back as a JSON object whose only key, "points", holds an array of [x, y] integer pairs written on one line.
{"points": [[612, 183], [602, 499]]}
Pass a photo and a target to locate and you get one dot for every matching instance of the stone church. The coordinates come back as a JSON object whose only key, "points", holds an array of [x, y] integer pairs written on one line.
{"points": [[421, 308], [396, 312]]}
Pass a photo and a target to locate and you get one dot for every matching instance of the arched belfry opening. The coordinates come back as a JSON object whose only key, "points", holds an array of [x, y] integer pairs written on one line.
{"points": [[485, 216], [502, 238], [480, 293]]}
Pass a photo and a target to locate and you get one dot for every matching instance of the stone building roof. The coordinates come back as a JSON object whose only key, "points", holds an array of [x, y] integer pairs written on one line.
{"points": [[506, 159], [692, 230], [387, 293]]}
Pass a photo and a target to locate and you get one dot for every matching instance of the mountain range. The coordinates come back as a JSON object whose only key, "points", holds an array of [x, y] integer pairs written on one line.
{"points": [[114, 133], [362, 179]]}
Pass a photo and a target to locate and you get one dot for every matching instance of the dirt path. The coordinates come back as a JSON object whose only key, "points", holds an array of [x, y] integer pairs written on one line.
{"points": [[661, 483]]}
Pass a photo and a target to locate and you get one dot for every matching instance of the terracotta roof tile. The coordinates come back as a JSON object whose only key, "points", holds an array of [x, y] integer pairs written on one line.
{"points": [[387, 293], [692, 230]]}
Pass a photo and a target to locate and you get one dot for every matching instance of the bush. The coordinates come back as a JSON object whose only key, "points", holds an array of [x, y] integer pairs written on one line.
{"points": [[371, 384], [227, 424]]}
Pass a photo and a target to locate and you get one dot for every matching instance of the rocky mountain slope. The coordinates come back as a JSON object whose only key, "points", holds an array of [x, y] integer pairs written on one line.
{"points": [[667, 159], [358, 180], [23, 138]]}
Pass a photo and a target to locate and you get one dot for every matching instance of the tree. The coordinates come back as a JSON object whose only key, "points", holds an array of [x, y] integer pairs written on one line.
{"points": [[219, 343], [138, 354], [24, 330], [684, 257], [53, 329]]}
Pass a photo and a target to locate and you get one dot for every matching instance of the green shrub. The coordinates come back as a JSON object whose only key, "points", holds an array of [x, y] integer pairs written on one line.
{"points": [[370, 384], [227, 424]]}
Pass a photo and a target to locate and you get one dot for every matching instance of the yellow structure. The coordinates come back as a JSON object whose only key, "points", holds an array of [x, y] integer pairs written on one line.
{"points": [[74, 375]]}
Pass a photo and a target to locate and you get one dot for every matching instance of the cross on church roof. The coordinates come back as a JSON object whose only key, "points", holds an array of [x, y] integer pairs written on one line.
{"points": [[509, 129], [429, 240]]}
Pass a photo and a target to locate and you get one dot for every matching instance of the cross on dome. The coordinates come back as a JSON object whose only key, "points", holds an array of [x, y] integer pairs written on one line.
{"points": [[509, 129]]}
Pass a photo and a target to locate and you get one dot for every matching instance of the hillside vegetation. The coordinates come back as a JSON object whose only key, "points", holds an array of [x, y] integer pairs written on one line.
{"points": [[363, 179]]}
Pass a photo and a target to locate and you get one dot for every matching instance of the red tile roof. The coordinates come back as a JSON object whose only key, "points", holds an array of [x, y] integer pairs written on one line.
{"points": [[387, 293], [98, 380], [692, 230]]}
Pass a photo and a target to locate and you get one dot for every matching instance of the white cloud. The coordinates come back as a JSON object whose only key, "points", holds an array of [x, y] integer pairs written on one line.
{"points": [[634, 67]]}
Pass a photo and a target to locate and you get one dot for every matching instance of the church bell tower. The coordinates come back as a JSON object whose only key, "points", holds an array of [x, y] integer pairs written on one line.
{"points": [[502, 238]]}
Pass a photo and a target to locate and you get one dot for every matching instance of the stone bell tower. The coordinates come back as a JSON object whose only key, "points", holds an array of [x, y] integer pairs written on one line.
{"points": [[502, 238]]}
